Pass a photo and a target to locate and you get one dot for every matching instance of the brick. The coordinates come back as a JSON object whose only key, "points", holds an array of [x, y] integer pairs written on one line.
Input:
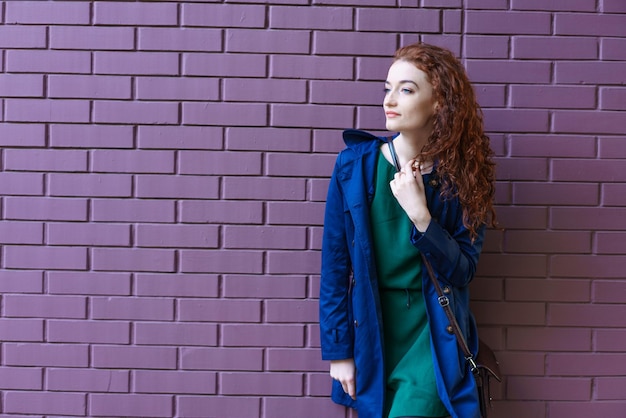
{"points": [[91, 136], [90, 185], [120, 210], [327, 141], [596, 266], [490, 95], [92, 380], [570, 194], [555, 5], [551, 47], [608, 291], [57, 403], [45, 160], [126, 259], [611, 147], [136, 63], [176, 285], [442, 3], [516, 120], [265, 90], [453, 22], [243, 335], [588, 24], [547, 290], [89, 87], [268, 139], [123, 161], [293, 115], [221, 358], [16, 281], [269, 384], [20, 36], [21, 85], [21, 232], [48, 61], [153, 381], [124, 308], [311, 67], [609, 340], [553, 146], [61, 13], [479, 46], [294, 213], [43, 110], [585, 364], [20, 378], [195, 261], [563, 97], [318, 384], [556, 388], [507, 22], [588, 409], [178, 334], [353, 43], [45, 355], [586, 315], [613, 98], [180, 39], [223, 15], [301, 407], [141, 14], [573, 218], [225, 65], [548, 241], [295, 359], [613, 49], [263, 237], [228, 212], [609, 243], [613, 6], [521, 409], [99, 332], [189, 406], [589, 170], [609, 388], [92, 38], [133, 357], [499, 71], [29, 135], [418, 20], [87, 234], [301, 311], [179, 137], [522, 363], [299, 165], [219, 310], [357, 2], [45, 306], [130, 405], [177, 236], [317, 189], [251, 286], [289, 262], [135, 112], [88, 283], [548, 339], [220, 162], [345, 92], [590, 72], [319, 18], [268, 41], [174, 88], [22, 330], [48, 258], [518, 313], [225, 114]]}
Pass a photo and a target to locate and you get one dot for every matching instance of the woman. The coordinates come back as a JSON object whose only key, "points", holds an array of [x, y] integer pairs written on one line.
{"points": [[391, 351]]}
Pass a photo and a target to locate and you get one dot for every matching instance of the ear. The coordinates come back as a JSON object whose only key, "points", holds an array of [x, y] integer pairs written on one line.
{"points": [[435, 107]]}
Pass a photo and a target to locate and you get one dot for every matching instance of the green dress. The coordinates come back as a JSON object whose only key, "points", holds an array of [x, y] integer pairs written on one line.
{"points": [[411, 385]]}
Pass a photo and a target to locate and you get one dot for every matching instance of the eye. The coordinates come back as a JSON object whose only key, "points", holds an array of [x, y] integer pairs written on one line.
{"points": [[386, 90], [407, 90]]}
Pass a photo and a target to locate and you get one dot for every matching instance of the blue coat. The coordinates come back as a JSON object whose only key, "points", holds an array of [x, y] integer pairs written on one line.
{"points": [[350, 314]]}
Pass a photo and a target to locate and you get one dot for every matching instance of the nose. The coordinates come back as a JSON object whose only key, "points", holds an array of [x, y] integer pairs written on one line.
{"points": [[390, 99]]}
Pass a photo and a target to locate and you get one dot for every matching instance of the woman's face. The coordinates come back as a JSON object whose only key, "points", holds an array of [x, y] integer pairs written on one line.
{"points": [[409, 103]]}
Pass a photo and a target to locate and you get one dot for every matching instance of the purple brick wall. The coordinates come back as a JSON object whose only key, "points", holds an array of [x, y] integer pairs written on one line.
{"points": [[162, 181]]}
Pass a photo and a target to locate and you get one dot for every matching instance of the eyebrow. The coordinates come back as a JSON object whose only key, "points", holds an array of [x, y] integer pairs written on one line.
{"points": [[403, 81]]}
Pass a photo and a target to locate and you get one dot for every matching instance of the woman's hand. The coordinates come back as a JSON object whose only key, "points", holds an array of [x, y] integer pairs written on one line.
{"points": [[344, 372], [408, 188]]}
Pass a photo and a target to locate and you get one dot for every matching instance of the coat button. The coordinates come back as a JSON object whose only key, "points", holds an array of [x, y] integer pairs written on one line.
{"points": [[446, 290], [356, 323], [449, 329]]}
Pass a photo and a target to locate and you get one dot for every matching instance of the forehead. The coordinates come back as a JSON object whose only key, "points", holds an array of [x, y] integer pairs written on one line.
{"points": [[406, 71]]}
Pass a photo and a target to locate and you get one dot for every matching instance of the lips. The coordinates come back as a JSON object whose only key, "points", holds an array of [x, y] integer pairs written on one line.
{"points": [[390, 114]]}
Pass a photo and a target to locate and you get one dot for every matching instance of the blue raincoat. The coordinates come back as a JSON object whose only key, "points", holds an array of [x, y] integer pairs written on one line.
{"points": [[350, 313]]}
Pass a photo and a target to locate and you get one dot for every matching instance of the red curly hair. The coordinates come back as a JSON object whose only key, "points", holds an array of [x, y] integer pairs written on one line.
{"points": [[458, 141]]}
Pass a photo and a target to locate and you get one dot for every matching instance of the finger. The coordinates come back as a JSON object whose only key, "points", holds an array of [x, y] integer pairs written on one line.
{"points": [[351, 389]]}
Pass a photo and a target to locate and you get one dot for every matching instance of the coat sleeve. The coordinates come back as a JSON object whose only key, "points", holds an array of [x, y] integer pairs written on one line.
{"points": [[334, 310], [454, 257]]}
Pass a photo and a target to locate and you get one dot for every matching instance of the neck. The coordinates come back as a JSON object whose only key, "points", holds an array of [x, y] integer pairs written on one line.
{"points": [[409, 146]]}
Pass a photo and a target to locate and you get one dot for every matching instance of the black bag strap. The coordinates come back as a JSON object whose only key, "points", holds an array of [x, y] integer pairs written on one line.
{"points": [[394, 155]]}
